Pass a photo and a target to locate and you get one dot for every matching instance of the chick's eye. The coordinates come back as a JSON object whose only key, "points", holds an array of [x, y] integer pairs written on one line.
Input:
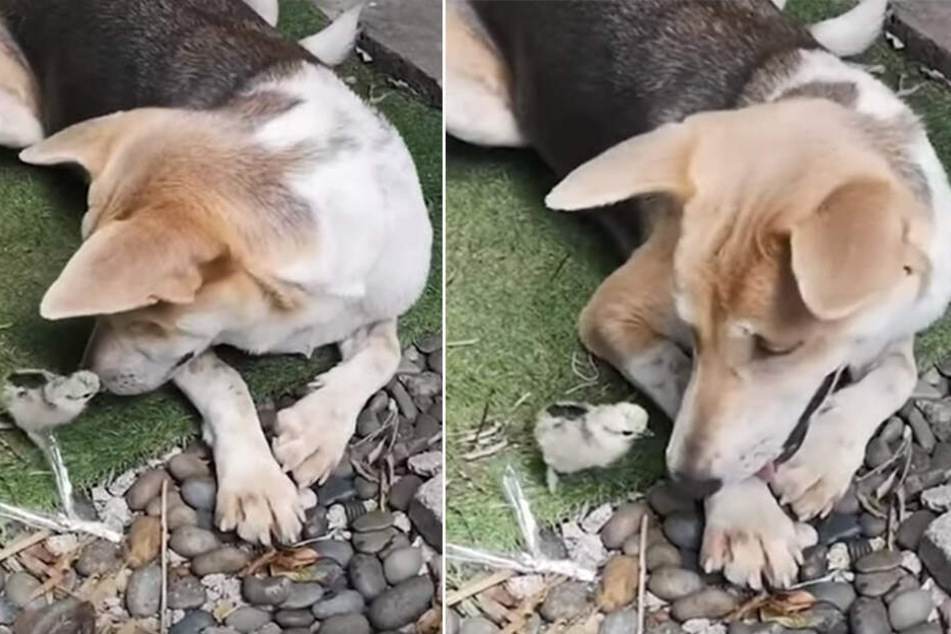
{"points": [[766, 348]]}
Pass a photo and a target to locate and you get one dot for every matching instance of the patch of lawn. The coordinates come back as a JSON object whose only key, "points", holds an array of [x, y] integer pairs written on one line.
{"points": [[517, 277], [40, 212]]}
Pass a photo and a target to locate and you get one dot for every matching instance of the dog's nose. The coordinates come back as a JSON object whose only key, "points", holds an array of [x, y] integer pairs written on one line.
{"points": [[694, 487]]}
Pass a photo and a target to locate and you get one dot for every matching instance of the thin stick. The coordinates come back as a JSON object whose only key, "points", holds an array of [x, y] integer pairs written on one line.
{"points": [[642, 573], [477, 586], [22, 544], [164, 609], [461, 343]]}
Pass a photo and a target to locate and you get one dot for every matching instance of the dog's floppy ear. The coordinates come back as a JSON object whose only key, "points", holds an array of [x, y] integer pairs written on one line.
{"points": [[91, 143], [129, 264], [649, 163], [854, 247]]}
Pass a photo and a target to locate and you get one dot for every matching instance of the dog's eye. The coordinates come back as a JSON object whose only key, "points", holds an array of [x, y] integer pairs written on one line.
{"points": [[768, 348]]}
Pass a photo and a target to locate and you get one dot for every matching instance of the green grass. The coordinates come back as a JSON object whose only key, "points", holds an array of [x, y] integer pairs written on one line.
{"points": [[40, 212], [517, 276]]}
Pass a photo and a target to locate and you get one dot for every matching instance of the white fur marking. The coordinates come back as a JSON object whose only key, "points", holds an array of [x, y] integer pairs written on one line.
{"points": [[335, 43], [852, 33]]}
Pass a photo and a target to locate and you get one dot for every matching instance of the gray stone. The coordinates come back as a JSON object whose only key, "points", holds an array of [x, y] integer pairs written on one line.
{"points": [[191, 541], [402, 564], [372, 521], [624, 523], [98, 558], [400, 540], [877, 453], [938, 414], [344, 602], [941, 457], [345, 624], [921, 429], [869, 616], [565, 601], [837, 527], [368, 422], [872, 526], [671, 584], [925, 628], [665, 499], [266, 590], [906, 582], [68, 616], [186, 466], [373, 542], [426, 464], [935, 550], [876, 584], [711, 603], [338, 550], [824, 618], [303, 595], [404, 402], [427, 426], [247, 619], [623, 622], [841, 595], [193, 623], [336, 489], [144, 591], [814, 563], [8, 611], [20, 588], [327, 573], [401, 604], [925, 30], [848, 504], [684, 529], [662, 556], [938, 499], [910, 531], [879, 561], [366, 575], [199, 493], [293, 618], [146, 487], [429, 343], [181, 515], [426, 511], [401, 493], [910, 609], [422, 385], [479, 625], [316, 523], [366, 489], [185, 593], [227, 559]]}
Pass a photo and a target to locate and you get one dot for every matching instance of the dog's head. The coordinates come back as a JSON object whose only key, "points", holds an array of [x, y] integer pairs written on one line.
{"points": [[188, 223], [798, 248]]}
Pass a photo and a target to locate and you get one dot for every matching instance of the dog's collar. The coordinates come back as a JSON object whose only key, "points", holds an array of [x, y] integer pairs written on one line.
{"points": [[832, 382]]}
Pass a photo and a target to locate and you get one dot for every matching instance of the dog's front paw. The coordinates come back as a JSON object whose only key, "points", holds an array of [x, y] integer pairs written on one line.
{"points": [[258, 500], [749, 537], [312, 438], [820, 472]]}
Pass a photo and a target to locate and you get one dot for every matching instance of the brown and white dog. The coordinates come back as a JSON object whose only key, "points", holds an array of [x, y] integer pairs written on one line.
{"points": [[240, 194], [798, 227]]}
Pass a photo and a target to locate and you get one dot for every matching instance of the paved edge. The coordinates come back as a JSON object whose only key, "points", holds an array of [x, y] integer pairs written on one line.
{"points": [[919, 45]]}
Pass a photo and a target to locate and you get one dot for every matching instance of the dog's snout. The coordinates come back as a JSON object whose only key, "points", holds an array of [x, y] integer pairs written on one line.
{"points": [[695, 486]]}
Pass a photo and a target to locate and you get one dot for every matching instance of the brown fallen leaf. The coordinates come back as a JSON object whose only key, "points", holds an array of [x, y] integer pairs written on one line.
{"points": [[618, 583], [144, 542], [430, 622], [293, 560]]}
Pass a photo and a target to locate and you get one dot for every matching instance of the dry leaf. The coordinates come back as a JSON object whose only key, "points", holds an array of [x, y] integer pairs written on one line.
{"points": [[618, 583], [430, 622], [293, 560], [145, 541]]}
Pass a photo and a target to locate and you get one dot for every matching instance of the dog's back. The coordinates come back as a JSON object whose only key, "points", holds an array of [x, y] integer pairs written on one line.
{"points": [[93, 57], [652, 62]]}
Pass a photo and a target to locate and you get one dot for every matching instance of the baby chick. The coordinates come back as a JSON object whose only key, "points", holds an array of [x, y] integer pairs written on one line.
{"points": [[578, 436], [38, 402]]}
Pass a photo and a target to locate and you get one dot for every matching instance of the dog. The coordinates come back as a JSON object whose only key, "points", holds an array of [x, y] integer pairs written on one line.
{"points": [[240, 194], [796, 221]]}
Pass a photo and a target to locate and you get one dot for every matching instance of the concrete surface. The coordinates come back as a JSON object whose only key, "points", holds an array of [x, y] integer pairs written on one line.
{"points": [[924, 27]]}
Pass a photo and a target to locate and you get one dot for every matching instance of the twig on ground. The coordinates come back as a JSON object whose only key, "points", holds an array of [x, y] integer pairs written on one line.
{"points": [[23, 543], [560, 266], [485, 416], [6, 445], [488, 451], [461, 343], [521, 400], [163, 610], [476, 586], [642, 574], [6, 326]]}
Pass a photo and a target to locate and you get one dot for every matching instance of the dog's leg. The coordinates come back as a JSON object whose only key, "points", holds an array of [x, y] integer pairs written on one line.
{"points": [[750, 538], [478, 106], [335, 43], [314, 432], [267, 9], [820, 472], [631, 322], [254, 496], [854, 32]]}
